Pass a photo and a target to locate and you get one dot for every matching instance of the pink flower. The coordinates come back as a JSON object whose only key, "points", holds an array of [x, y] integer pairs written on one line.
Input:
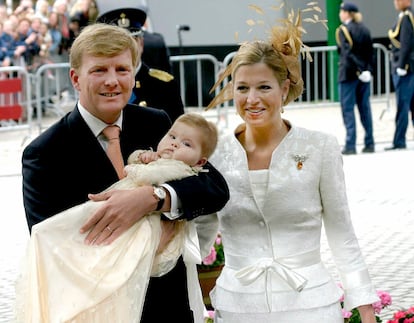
{"points": [[210, 314], [218, 240], [377, 307], [346, 314], [343, 295], [342, 298], [399, 315], [403, 316], [385, 300], [211, 257]]}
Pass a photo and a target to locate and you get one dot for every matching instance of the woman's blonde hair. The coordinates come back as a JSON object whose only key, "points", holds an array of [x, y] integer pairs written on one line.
{"points": [[102, 40], [281, 53]]}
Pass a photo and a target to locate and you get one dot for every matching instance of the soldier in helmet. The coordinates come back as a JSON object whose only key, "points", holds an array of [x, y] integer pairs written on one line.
{"points": [[153, 87]]}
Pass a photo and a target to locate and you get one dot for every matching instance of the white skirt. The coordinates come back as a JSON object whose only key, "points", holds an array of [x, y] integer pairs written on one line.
{"points": [[327, 314]]}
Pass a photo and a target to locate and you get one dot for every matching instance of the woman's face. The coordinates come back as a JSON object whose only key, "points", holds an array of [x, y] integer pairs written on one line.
{"points": [[258, 95]]}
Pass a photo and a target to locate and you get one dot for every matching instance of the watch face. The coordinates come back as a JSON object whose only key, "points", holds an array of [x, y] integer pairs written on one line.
{"points": [[160, 193]]}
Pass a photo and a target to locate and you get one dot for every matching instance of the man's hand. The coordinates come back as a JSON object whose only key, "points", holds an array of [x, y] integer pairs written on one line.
{"points": [[123, 208]]}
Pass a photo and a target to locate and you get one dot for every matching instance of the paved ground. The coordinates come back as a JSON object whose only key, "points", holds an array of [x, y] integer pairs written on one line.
{"points": [[379, 191]]}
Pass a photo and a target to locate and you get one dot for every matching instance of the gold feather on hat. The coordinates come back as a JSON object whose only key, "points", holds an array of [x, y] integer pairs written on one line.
{"points": [[286, 39]]}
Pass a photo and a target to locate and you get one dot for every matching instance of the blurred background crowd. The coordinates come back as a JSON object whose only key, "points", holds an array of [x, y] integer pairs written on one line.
{"points": [[37, 32]]}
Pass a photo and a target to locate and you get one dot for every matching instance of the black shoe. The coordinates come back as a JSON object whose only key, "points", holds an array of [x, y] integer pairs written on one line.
{"points": [[395, 147], [368, 150], [348, 151]]}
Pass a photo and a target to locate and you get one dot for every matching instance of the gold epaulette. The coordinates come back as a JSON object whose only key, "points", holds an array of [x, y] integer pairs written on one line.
{"points": [[161, 75], [346, 34], [392, 34]]}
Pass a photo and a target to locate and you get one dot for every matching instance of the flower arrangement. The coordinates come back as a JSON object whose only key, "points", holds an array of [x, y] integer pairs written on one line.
{"points": [[209, 317], [216, 256], [403, 316], [354, 317]]}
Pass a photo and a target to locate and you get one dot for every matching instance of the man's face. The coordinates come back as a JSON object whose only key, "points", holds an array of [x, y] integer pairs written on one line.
{"points": [[104, 84], [402, 4]]}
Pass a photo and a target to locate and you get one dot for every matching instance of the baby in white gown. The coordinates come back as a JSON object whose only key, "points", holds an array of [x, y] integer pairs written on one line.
{"points": [[66, 280]]}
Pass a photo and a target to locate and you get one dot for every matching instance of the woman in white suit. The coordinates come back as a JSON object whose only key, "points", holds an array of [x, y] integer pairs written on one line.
{"points": [[285, 182]]}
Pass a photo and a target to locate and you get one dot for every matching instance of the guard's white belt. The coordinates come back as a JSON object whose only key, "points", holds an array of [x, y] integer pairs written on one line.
{"points": [[281, 266]]}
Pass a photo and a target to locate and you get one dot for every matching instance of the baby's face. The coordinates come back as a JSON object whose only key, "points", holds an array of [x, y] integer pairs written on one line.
{"points": [[182, 142]]}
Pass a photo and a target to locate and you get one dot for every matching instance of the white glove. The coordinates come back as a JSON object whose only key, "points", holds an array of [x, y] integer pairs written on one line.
{"points": [[401, 71], [365, 76]]}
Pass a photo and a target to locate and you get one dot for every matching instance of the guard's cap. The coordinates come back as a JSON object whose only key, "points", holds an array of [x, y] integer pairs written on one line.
{"points": [[132, 19], [348, 6]]}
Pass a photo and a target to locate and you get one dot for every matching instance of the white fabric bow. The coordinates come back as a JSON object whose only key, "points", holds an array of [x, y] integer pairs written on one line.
{"points": [[191, 250], [249, 274]]}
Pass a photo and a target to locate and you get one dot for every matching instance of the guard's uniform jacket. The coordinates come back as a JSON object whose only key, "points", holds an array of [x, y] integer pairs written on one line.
{"points": [[402, 42], [355, 50], [157, 89]]}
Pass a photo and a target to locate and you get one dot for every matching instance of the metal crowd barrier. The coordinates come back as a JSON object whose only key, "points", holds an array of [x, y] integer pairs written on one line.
{"points": [[50, 81], [206, 71], [320, 83], [23, 98], [200, 71]]}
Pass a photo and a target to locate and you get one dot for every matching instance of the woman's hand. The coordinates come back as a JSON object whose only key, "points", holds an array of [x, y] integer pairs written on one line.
{"points": [[367, 314]]}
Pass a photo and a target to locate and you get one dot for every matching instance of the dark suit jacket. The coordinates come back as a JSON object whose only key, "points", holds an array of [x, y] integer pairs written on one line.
{"points": [[66, 162], [355, 54], [157, 93]]}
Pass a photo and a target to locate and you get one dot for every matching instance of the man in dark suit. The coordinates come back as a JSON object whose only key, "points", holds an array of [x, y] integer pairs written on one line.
{"points": [[354, 75], [153, 87], [68, 161], [402, 64]]}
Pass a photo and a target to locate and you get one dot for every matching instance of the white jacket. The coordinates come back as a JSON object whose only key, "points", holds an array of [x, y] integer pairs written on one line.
{"points": [[273, 253]]}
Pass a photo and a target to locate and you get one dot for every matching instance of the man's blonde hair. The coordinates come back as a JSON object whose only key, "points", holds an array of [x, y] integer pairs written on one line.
{"points": [[209, 132], [102, 40]]}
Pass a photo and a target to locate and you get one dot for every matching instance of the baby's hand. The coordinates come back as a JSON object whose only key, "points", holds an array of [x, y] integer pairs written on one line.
{"points": [[148, 156]]}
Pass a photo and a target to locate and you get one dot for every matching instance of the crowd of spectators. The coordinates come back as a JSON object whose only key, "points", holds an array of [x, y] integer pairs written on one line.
{"points": [[37, 32]]}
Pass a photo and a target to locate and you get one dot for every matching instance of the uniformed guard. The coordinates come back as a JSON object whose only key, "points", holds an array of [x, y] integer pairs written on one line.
{"points": [[356, 60], [402, 64], [153, 87]]}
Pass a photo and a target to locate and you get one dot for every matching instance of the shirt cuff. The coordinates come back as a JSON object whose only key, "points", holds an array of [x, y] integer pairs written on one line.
{"points": [[175, 210]]}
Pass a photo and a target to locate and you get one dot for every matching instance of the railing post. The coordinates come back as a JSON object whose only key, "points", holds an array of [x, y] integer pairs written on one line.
{"points": [[332, 12]]}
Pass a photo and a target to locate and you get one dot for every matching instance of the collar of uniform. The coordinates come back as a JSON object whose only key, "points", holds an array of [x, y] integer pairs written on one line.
{"points": [[403, 12], [138, 68]]}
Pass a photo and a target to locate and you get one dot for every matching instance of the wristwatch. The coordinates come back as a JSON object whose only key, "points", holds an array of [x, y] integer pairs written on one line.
{"points": [[160, 195]]}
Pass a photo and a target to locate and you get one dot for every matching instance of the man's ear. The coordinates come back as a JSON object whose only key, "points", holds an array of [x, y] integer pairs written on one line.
{"points": [[201, 162], [74, 78]]}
